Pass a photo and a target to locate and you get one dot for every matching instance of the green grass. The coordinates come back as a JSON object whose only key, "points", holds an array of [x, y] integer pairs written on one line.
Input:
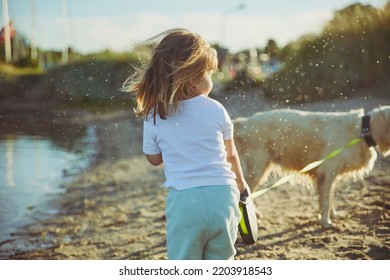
{"points": [[10, 71]]}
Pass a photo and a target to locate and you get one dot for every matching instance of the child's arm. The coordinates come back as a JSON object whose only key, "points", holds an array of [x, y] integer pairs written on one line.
{"points": [[155, 160], [233, 158]]}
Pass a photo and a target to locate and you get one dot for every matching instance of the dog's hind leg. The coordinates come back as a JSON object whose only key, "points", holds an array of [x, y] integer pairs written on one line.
{"points": [[325, 184]]}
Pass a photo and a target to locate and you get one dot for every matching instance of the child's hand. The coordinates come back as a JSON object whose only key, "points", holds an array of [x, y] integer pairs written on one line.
{"points": [[245, 196], [242, 186]]}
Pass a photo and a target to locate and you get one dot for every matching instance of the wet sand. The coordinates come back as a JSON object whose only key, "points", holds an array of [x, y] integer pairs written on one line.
{"points": [[115, 209]]}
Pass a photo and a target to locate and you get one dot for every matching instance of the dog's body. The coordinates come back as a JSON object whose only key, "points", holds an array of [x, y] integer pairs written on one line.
{"points": [[292, 139]]}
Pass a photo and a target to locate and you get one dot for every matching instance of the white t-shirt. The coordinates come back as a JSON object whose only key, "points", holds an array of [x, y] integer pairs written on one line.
{"points": [[192, 144]]}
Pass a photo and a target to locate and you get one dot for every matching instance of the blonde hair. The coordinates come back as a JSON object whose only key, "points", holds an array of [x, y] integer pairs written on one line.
{"points": [[179, 61]]}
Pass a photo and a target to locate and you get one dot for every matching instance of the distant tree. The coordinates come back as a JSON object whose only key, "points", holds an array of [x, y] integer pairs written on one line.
{"points": [[272, 48], [350, 55]]}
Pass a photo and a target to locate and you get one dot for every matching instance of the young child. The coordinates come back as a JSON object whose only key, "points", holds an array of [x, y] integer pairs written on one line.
{"points": [[192, 135]]}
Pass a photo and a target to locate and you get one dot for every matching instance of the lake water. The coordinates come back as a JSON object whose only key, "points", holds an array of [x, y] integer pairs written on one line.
{"points": [[33, 169]]}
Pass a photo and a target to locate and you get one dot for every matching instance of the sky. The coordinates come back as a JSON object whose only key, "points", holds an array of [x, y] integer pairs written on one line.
{"points": [[94, 25]]}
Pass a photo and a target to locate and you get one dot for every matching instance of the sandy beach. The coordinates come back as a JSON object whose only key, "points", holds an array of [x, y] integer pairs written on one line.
{"points": [[115, 209]]}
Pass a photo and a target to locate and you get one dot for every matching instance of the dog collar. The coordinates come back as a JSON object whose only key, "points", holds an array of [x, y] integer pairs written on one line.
{"points": [[366, 131]]}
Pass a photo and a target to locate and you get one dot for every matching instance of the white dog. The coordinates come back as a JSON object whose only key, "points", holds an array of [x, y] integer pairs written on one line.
{"points": [[292, 139]]}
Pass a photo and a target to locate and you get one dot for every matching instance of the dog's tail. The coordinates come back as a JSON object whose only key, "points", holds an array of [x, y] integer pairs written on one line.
{"points": [[238, 124], [240, 141], [238, 137]]}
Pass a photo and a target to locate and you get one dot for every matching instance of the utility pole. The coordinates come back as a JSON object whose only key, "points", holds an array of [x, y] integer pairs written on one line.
{"points": [[34, 49], [7, 36], [65, 26], [224, 21]]}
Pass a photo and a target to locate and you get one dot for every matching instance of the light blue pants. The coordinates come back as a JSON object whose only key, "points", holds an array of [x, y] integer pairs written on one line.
{"points": [[202, 223]]}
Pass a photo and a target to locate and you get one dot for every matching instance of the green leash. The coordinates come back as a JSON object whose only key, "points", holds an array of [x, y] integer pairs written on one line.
{"points": [[306, 168]]}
